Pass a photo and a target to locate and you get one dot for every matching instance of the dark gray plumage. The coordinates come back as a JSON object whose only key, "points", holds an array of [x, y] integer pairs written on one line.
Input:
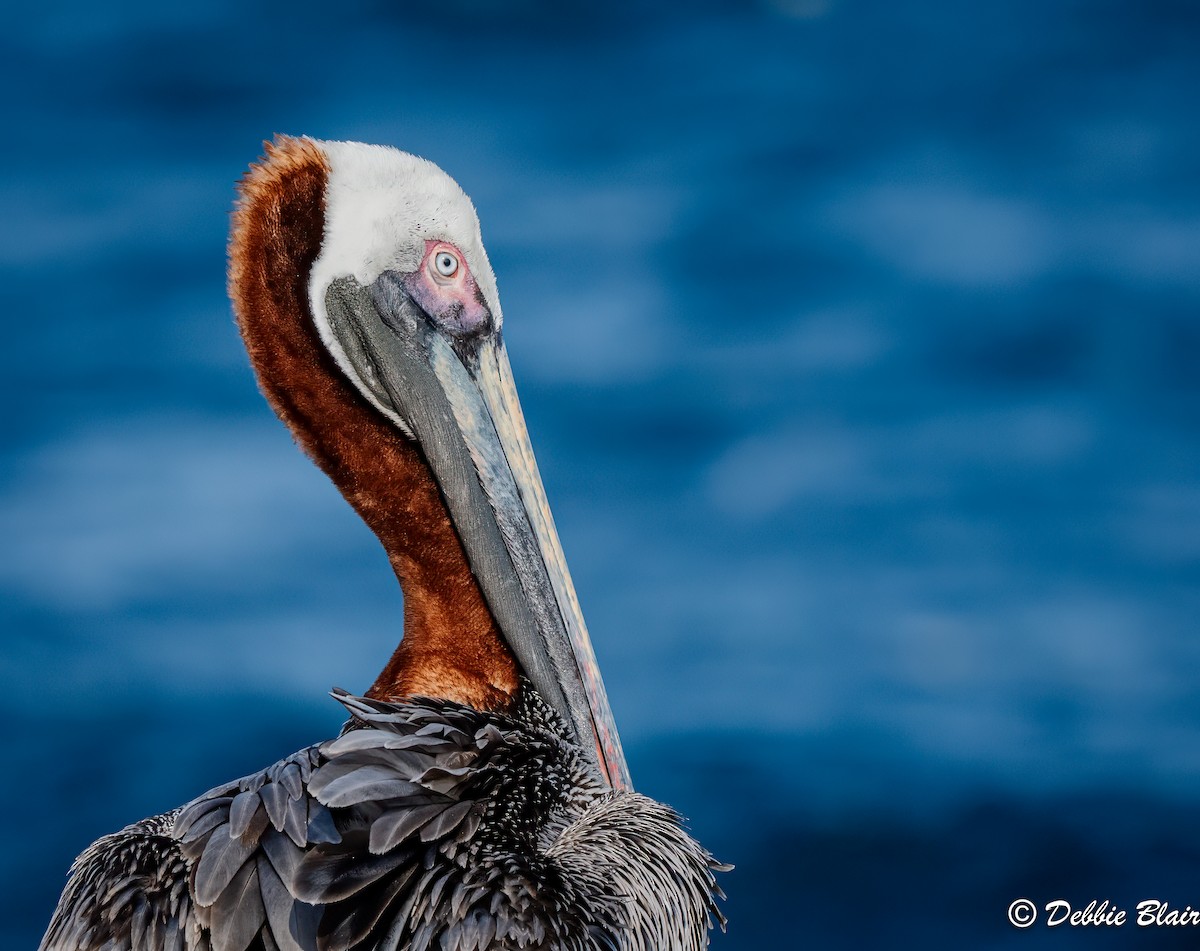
{"points": [[425, 825]]}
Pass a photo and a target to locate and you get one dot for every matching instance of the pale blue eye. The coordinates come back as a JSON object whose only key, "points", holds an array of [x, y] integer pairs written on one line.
{"points": [[445, 263]]}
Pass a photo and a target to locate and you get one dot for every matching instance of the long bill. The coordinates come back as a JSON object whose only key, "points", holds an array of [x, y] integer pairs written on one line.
{"points": [[457, 397]]}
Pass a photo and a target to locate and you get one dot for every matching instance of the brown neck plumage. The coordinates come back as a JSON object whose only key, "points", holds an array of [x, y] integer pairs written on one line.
{"points": [[451, 646]]}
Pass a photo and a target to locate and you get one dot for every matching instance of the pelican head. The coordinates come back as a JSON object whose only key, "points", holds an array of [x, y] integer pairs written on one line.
{"points": [[404, 301]]}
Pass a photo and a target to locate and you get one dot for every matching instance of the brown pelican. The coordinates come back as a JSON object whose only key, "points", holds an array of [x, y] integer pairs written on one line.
{"points": [[477, 796]]}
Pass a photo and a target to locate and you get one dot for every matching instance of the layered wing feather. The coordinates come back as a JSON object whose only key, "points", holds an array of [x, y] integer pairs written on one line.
{"points": [[312, 852]]}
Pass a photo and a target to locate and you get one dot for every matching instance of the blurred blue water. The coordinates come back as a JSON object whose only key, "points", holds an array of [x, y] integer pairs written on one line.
{"points": [[859, 345]]}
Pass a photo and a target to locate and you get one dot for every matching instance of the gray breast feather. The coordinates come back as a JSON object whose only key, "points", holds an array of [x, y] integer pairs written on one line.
{"points": [[424, 825]]}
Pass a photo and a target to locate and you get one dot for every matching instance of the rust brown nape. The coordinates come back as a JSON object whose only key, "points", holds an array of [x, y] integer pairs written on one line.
{"points": [[452, 647]]}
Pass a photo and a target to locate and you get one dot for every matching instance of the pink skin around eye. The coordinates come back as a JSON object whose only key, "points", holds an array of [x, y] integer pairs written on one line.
{"points": [[454, 301]]}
